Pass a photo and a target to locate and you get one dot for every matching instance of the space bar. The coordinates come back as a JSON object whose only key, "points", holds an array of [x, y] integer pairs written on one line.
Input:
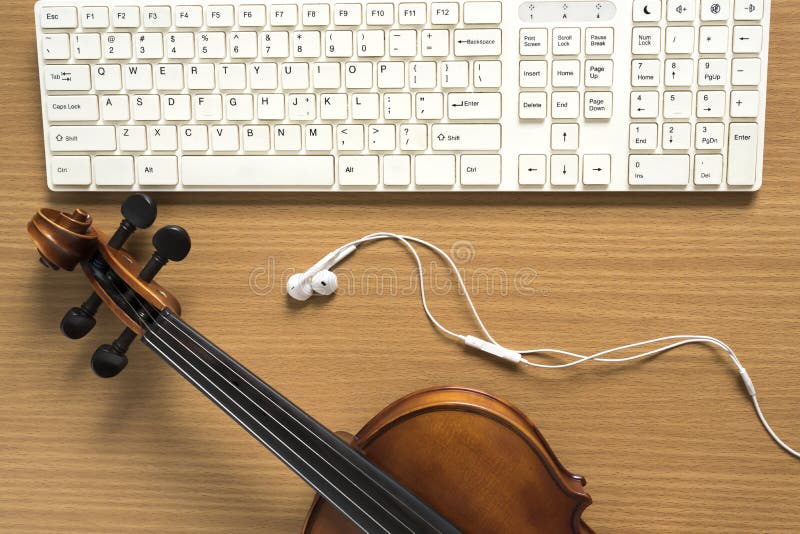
{"points": [[257, 170]]}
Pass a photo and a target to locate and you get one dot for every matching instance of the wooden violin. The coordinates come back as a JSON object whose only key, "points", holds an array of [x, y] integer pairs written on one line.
{"points": [[442, 460]]}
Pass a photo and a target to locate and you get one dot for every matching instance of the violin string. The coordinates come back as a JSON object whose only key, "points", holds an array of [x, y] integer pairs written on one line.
{"points": [[144, 326]]}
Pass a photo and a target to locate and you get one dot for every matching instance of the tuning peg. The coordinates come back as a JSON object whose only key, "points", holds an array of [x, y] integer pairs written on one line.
{"points": [[78, 322], [109, 360], [139, 211], [172, 243]]}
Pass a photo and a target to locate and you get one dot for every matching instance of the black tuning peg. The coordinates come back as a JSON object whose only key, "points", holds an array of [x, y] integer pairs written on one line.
{"points": [[78, 322], [172, 243], [109, 360], [139, 211]]}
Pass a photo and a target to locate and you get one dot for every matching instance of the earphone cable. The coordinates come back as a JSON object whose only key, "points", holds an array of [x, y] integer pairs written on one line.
{"points": [[676, 340]]}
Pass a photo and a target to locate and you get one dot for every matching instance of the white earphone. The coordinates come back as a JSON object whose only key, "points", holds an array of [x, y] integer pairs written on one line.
{"points": [[320, 280]]}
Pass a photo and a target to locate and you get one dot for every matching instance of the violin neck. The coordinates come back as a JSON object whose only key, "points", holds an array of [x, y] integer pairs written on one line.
{"points": [[343, 476]]}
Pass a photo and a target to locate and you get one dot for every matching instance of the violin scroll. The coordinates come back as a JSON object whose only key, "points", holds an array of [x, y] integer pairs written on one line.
{"points": [[67, 239], [62, 239]]}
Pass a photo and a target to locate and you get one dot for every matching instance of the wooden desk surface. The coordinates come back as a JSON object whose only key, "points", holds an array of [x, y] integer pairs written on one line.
{"points": [[670, 445]]}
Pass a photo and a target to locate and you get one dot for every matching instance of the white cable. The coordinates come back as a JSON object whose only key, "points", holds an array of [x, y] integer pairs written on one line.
{"points": [[496, 349]]}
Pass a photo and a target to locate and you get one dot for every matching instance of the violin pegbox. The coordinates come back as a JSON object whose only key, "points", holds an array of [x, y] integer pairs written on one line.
{"points": [[65, 240]]}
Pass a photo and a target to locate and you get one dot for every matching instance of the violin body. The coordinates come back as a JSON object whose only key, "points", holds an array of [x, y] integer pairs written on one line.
{"points": [[475, 458]]}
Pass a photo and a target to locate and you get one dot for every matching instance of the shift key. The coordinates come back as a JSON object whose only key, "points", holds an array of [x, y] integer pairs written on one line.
{"points": [[466, 137], [659, 170], [82, 138]]}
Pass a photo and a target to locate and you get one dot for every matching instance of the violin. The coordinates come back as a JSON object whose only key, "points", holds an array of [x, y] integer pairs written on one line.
{"points": [[442, 460]]}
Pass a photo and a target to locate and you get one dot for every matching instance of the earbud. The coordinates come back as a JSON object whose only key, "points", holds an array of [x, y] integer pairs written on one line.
{"points": [[298, 286], [319, 279], [324, 283]]}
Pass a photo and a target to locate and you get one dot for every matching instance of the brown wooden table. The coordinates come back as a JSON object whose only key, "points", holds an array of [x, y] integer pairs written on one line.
{"points": [[669, 445]]}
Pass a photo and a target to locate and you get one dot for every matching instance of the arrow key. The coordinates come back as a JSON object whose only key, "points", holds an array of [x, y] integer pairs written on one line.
{"points": [[532, 169], [564, 137], [564, 170], [747, 39], [597, 169]]}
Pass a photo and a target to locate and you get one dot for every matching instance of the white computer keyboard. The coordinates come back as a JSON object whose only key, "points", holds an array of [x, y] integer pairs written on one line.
{"points": [[624, 95]]}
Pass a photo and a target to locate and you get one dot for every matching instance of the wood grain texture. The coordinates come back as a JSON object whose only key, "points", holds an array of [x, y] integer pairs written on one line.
{"points": [[670, 445]]}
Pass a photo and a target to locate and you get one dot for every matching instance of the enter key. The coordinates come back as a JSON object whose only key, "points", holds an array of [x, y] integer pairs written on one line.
{"points": [[474, 106]]}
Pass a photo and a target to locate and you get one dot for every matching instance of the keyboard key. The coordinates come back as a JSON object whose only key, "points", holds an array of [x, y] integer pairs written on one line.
{"points": [[599, 41], [412, 14], [599, 73], [709, 136], [347, 14], [713, 39], [58, 17], [644, 105], [125, 16], [358, 170], [532, 169], [655, 170], [157, 170], [746, 71], [564, 170], [483, 42], [380, 14], [480, 169], [72, 108], [435, 170], [483, 12], [283, 15], [532, 105], [747, 39], [680, 40], [396, 170], [316, 15], [71, 170], [82, 138], [646, 41], [748, 10], [564, 136], [708, 169], [646, 73], [597, 169], [715, 9], [444, 13], [157, 16], [220, 16], [94, 17], [188, 16], [455, 137], [533, 42], [113, 170], [56, 46], [681, 10], [646, 10], [67, 78], [298, 171], [677, 136], [742, 154], [253, 15], [598, 105], [471, 106], [745, 104], [643, 136], [566, 41], [566, 105]]}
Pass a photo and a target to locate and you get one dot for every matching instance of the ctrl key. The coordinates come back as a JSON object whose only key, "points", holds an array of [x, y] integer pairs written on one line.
{"points": [[70, 170]]}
